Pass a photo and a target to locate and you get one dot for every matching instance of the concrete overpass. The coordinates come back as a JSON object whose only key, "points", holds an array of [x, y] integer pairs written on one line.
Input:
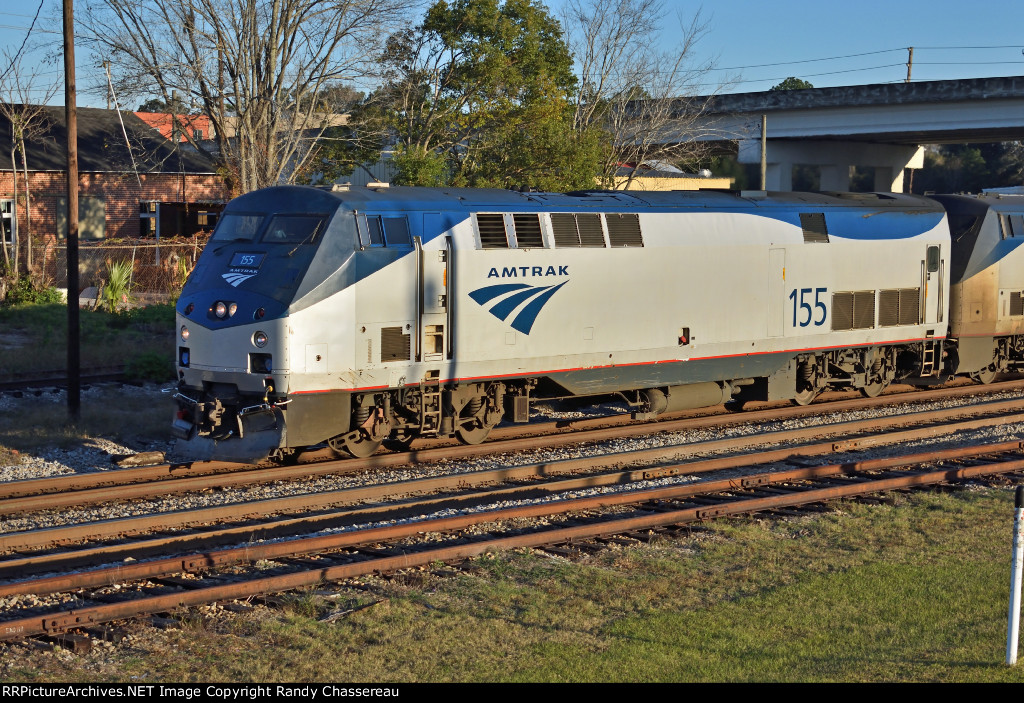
{"points": [[881, 126]]}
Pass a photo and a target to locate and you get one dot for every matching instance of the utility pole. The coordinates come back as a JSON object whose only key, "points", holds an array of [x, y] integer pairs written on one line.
{"points": [[71, 117], [106, 68], [910, 61], [764, 152]]}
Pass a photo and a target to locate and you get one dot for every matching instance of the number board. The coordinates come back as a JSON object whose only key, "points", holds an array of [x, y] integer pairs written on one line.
{"points": [[247, 260]]}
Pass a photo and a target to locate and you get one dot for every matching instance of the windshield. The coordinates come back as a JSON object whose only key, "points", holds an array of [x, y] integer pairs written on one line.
{"points": [[293, 229], [237, 227]]}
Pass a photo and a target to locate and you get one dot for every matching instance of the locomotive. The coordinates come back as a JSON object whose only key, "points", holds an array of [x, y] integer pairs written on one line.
{"points": [[353, 316]]}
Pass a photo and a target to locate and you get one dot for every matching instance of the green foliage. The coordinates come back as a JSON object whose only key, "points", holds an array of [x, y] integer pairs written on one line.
{"points": [[479, 95], [116, 291], [418, 166], [37, 335], [150, 366], [792, 83], [955, 168], [25, 292]]}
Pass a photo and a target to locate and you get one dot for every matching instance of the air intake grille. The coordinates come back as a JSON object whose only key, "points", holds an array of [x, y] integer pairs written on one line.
{"points": [[394, 345], [624, 230], [528, 231], [854, 310], [577, 230], [1016, 303], [899, 306], [492, 231], [813, 225]]}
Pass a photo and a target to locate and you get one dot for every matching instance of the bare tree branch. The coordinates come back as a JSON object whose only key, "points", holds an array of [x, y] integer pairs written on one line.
{"points": [[258, 68], [29, 122], [634, 91]]}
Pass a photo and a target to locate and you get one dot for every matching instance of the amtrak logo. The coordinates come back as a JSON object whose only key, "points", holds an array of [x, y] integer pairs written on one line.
{"points": [[235, 278], [513, 297]]}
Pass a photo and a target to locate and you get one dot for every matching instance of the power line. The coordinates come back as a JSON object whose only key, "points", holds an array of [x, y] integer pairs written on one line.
{"points": [[24, 41], [866, 53]]}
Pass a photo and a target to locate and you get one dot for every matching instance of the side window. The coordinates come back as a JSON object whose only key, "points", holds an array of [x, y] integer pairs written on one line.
{"points": [[1011, 225], [396, 232], [380, 231]]}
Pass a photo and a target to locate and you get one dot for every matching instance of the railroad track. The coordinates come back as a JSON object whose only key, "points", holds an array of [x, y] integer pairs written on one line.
{"points": [[154, 587], [59, 379], [168, 479], [701, 501]]}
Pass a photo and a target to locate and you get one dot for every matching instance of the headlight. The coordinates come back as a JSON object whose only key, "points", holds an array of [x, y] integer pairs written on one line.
{"points": [[260, 339], [220, 310], [232, 307], [184, 333]]}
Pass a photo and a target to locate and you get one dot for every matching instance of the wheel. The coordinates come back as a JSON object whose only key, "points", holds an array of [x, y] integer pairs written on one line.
{"points": [[358, 446], [472, 432], [471, 428], [805, 397], [985, 376], [874, 389]]}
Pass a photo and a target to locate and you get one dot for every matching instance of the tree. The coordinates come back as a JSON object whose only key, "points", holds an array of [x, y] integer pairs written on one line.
{"points": [[28, 122], [792, 83], [953, 168], [258, 68], [650, 103], [478, 94]]}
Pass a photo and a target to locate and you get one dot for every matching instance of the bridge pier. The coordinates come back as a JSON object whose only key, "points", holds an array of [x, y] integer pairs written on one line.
{"points": [[835, 160]]}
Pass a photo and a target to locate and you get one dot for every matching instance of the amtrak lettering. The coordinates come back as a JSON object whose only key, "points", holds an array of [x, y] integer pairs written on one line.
{"points": [[524, 271]]}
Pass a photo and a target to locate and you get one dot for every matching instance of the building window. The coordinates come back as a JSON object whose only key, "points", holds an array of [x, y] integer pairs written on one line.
{"points": [[162, 220], [149, 218], [8, 225], [92, 217], [197, 134]]}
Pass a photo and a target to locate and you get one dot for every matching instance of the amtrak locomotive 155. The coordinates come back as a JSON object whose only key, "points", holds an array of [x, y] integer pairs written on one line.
{"points": [[357, 315]]}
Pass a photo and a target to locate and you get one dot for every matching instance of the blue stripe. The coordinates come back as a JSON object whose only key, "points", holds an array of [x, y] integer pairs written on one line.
{"points": [[524, 320], [482, 295], [859, 224], [506, 306]]}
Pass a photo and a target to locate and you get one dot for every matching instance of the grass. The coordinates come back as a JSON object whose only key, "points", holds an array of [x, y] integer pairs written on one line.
{"points": [[34, 338], [121, 414], [913, 592]]}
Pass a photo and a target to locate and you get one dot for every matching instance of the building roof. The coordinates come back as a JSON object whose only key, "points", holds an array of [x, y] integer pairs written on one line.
{"points": [[102, 147], [163, 123]]}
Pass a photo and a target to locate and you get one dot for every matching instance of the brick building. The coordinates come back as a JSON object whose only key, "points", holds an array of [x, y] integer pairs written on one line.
{"points": [[152, 189], [178, 127]]}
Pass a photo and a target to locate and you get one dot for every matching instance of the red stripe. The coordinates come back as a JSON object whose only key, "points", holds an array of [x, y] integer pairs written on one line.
{"points": [[611, 366]]}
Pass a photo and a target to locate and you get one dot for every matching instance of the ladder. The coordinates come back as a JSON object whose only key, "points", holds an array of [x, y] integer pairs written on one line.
{"points": [[930, 359], [430, 405]]}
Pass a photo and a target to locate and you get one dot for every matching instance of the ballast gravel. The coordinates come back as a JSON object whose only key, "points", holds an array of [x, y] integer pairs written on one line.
{"points": [[94, 455]]}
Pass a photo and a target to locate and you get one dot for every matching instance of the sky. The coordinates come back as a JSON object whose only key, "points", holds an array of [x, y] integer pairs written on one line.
{"points": [[754, 45]]}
